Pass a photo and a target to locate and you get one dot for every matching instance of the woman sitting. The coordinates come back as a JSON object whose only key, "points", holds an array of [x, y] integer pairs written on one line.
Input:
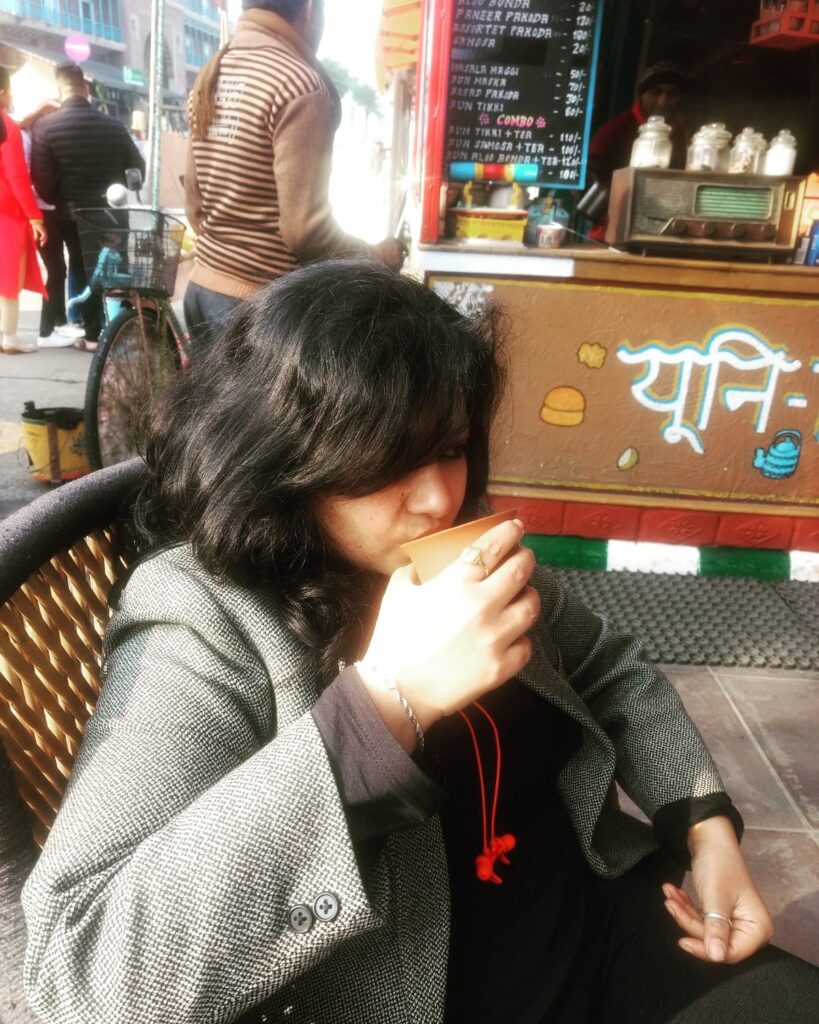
{"points": [[278, 812]]}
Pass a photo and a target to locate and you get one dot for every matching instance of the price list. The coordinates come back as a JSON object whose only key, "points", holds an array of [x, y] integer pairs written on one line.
{"points": [[520, 85]]}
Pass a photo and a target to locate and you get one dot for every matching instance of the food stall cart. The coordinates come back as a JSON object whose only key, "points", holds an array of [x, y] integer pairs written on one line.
{"points": [[668, 396]]}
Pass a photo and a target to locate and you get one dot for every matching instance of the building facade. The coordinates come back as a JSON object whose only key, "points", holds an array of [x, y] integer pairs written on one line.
{"points": [[33, 34]]}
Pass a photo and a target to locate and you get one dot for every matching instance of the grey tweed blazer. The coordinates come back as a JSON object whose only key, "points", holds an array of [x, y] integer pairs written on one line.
{"points": [[202, 809]]}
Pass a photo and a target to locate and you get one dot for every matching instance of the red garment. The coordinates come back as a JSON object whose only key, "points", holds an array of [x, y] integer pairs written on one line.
{"points": [[610, 148], [17, 207]]}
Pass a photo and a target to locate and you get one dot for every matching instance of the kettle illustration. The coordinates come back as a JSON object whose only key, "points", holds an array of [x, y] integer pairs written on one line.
{"points": [[782, 457]]}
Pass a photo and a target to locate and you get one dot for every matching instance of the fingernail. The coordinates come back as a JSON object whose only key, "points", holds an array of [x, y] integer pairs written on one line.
{"points": [[716, 949], [518, 523], [668, 891], [671, 908]]}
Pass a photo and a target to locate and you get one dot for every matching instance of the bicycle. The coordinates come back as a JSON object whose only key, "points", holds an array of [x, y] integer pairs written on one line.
{"points": [[131, 256]]}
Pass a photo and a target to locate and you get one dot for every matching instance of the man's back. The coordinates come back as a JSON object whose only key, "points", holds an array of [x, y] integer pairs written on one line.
{"points": [[78, 152]]}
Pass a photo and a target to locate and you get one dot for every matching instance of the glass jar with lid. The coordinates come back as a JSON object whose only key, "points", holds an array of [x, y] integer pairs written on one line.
{"points": [[761, 144], [704, 151], [781, 155], [744, 153], [652, 147], [722, 138]]}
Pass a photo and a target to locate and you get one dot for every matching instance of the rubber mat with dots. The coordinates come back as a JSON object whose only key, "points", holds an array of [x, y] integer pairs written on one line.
{"points": [[708, 620]]}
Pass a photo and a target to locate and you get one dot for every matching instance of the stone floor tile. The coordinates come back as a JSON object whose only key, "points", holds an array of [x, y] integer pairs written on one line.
{"points": [[769, 673], [785, 866], [670, 669], [783, 715], [748, 779]]}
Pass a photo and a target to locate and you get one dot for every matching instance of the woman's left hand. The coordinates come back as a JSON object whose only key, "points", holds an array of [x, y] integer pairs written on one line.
{"points": [[40, 234], [724, 886]]}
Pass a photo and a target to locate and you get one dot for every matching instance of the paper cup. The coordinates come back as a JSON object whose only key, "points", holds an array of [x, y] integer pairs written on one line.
{"points": [[550, 236], [430, 554]]}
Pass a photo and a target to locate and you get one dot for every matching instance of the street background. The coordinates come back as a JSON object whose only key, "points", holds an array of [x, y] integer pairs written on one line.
{"points": [[359, 193], [50, 377]]}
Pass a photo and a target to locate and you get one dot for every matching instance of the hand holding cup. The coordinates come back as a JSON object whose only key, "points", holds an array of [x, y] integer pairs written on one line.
{"points": [[463, 632]]}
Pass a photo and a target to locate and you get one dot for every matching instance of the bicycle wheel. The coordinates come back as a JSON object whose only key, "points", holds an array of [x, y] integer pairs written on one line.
{"points": [[129, 367]]}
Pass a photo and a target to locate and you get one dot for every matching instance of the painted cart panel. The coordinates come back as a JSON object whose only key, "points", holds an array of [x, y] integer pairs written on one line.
{"points": [[643, 396]]}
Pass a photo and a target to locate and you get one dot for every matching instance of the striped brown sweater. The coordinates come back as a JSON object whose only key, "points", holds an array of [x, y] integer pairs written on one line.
{"points": [[256, 188]]}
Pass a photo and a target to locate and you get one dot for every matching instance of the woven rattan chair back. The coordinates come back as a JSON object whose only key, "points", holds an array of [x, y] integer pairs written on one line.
{"points": [[59, 558]]}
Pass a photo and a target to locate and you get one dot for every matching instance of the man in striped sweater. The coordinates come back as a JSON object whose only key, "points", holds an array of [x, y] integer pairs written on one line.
{"points": [[263, 115]]}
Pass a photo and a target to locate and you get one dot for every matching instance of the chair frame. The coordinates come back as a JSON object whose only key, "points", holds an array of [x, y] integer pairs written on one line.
{"points": [[59, 557]]}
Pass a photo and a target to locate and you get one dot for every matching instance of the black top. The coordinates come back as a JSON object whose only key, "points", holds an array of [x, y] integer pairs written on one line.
{"points": [[77, 152], [512, 945]]}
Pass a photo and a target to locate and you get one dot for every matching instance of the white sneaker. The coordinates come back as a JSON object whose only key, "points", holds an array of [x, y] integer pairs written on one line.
{"points": [[55, 340], [11, 343], [70, 331]]}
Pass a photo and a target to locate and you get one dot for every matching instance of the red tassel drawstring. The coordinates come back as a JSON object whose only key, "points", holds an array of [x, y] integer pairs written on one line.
{"points": [[494, 847]]}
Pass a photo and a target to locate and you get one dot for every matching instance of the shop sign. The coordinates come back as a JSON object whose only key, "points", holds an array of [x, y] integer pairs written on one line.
{"points": [[133, 76], [656, 396]]}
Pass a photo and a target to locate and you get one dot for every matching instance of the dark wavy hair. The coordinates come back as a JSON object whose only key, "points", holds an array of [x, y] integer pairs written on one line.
{"points": [[337, 379]]}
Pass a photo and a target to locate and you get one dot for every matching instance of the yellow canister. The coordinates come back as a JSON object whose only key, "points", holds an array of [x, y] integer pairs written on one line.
{"points": [[54, 440]]}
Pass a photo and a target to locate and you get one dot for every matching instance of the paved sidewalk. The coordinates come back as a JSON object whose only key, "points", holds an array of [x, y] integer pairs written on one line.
{"points": [[48, 377]]}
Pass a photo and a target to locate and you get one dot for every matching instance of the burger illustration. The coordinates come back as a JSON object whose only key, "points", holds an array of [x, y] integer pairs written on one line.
{"points": [[563, 406]]}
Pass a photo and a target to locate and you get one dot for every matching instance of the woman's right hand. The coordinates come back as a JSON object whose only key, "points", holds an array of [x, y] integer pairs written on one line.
{"points": [[448, 642], [391, 251]]}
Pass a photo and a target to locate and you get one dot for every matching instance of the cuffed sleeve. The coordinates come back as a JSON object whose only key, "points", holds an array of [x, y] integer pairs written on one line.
{"points": [[133, 157], [381, 787], [672, 822]]}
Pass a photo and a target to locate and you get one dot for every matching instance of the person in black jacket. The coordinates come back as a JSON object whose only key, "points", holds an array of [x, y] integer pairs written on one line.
{"points": [[76, 154]]}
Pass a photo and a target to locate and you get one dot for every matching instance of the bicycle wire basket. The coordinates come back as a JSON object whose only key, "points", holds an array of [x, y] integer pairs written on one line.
{"points": [[130, 248]]}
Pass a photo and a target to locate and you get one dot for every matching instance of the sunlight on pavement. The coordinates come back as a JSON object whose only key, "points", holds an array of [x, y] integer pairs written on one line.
{"points": [[10, 436]]}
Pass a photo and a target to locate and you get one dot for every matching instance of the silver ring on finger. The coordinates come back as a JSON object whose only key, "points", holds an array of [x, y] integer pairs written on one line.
{"points": [[717, 917], [474, 556]]}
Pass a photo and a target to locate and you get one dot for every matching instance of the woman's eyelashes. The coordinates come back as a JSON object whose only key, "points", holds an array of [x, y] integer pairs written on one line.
{"points": [[457, 451]]}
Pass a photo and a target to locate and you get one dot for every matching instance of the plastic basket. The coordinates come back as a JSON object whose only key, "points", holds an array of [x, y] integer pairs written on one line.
{"points": [[489, 224], [130, 248]]}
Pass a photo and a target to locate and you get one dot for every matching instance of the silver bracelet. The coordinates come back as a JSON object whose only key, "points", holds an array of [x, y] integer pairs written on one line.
{"points": [[390, 684]]}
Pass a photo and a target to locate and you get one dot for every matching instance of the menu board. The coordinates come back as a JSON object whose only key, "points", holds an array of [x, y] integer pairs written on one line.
{"points": [[520, 86]]}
